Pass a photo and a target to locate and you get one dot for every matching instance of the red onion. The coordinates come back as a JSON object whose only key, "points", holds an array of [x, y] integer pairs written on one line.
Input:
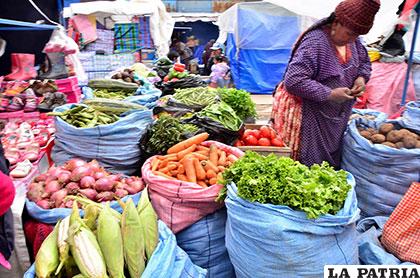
{"points": [[72, 187], [87, 182], [119, 185], [41, 177], [78, 173], [36, 190], [89, 193], [74, 163], [98, 175], [104, 184], [94, 165], [114, 177], [129, 180], [52, 186], [54, 172], [44, 203], [137, 185], [105, 196], [64, 177], [121, 193], [68, 204], [58, 197], [50, 179]]}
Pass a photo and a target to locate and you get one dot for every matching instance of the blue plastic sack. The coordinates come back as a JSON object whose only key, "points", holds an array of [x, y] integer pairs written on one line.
{"points": [[204, 242], [380, 116], [371, 252], [411, 116], [51, 216], [265, 240], [168, 260], [383, 174], [114, 146]]}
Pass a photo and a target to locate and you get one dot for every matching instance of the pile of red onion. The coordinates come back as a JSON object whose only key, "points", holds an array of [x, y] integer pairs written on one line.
{"points": [[78, 177]]}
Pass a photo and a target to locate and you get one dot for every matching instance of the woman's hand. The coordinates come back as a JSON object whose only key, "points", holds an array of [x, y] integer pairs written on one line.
{"points": [[359, 87], [340, 95]]}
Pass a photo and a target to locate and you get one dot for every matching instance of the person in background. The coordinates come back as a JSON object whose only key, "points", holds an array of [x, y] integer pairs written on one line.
{"points": [[328, 69], [184, 52], [173, 56], [219, 73], [216, 50], [207, 52]]}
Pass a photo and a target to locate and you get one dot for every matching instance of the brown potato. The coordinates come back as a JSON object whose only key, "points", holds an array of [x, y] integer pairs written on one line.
{"points": [[409, 142], [378, 138], [385, 128], [389, 144], [394, 136], [399, 145], [418, 144], [366, 134], [372, 130]]}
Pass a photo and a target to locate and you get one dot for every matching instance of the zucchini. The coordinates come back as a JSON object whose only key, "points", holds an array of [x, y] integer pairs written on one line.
{"points": [[112, 84], [113, 106]]}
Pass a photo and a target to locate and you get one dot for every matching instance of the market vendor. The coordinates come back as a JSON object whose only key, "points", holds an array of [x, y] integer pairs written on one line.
{"points": [[328, 69]]}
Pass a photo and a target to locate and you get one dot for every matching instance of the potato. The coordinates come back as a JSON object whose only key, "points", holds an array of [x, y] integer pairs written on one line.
{"points": [[393, 136], [418, 144], [399, 145], [389, 144], [366, 134], [378, 138], [409, 142], [372, 130], [385, 128], [127, 79]]}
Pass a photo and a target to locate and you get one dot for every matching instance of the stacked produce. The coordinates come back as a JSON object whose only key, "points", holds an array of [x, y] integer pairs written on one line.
{"points": [[201, 96], [365, 116], [112, 84], [192, 162], [389, 135], [127, 75], [223, 114], [264, 136], [78, 177], [240, 101], [316, 190], [176, 73], [112, 94], [103, 243]]}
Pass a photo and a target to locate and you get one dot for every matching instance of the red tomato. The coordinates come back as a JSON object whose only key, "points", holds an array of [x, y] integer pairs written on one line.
{"points": [[256, 133], [238, 143], [265, 132], [277, 142], [166, 79], [264, 142], [273, 133], [247, 132], [250, 140]]}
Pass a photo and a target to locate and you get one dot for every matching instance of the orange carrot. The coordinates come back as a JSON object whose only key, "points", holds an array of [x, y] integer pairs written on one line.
{"points": [[168, 168], [190, 170], [158, 173], [163, 163], [174, 173], [211, 174], [213, 181], [202, 183], [213, 154], [181, 169], [181, 177], [206, 153], [221, 168], [198, 139], [232, 158], [209, 166], [222, 158], [200, 156], [203, 148], [199, 170], [155, 164], [188, 150]]}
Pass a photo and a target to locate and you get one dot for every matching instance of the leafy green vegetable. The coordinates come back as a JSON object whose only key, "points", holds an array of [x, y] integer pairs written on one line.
{"points": [[240, 101], [168, 131], [200, 96], [222, 113], [276, 180]]}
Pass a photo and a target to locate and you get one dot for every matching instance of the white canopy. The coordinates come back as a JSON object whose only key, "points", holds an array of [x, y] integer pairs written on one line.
{"points": [[161, 23], [192, 17]]}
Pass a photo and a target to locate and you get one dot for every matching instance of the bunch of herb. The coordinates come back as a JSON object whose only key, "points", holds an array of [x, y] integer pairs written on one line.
{"points": [[240, 101]]}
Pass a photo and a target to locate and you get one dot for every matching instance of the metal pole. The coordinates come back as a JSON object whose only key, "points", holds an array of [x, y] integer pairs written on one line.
{"points": [[410, 59]]}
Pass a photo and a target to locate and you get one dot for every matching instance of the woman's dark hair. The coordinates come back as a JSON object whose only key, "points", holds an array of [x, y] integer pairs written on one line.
{"points": [[172, 55]]}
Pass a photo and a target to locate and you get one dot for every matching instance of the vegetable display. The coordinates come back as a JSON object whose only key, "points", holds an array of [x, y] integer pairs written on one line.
{"points": [[201, 96], [316, 190], [112, 94], [222, 113], [102, 244], [112, 84], [166, 132], [264, 136], [78, 177], [191, 162], [240, 101], [390, 136], [127, 75], [176, 73]]}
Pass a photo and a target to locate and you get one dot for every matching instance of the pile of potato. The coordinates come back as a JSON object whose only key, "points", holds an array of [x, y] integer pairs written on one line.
{"points": [[126, 75], [357, 116], [390, 136]]}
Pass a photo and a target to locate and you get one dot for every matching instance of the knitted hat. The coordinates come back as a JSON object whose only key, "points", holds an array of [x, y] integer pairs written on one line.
{"points": [[357, 15], [7, 193]]}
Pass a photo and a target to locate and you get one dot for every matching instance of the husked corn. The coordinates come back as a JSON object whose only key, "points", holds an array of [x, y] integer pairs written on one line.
{"points": [[149, 223], [46, 261], [63, 245]]}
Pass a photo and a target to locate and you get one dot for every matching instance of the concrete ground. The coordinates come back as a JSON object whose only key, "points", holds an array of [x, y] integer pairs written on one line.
{"points": [[263, 104]]}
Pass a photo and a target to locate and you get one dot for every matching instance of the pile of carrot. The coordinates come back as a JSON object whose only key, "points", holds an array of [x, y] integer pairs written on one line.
{"points": [[190, 161]]}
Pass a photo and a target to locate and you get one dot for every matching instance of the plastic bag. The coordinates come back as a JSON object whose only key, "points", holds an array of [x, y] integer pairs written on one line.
{"points": [[115, 146], [371, 252], [51, 216], [277, 241], [204, 242], [411, 116], [180, 204], [168, 260], [383, 174]]}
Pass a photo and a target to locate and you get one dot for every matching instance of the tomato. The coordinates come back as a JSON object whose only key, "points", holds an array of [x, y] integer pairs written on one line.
{"points": [[273, 133], [265, 132], [264, 142], [247, 132], [277, 142], [166, 78], [250, 140], [256, 133], [238, 143]]}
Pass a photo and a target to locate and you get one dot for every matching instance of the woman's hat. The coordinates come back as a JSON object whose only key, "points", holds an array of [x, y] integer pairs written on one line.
{"points": [[357, 15]]}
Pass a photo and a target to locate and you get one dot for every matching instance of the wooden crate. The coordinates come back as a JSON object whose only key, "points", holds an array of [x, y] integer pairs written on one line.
{"points": [[279, 151]]}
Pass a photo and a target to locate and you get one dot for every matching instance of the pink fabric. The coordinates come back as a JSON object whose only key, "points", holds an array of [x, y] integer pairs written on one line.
{"points": [[181, 204], [7, 193], [385, 87], [4, 262], [85, 27]]}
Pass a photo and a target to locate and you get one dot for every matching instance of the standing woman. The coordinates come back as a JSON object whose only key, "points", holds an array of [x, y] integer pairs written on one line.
{"points": [[328, 69]]}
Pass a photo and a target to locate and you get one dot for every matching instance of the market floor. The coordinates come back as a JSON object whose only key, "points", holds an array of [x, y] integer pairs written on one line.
{"points": [[264, 104]]}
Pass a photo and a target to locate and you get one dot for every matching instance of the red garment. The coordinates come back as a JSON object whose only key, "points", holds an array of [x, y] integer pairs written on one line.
{"points": [[357, 15], [36, 233], [7, 193]]}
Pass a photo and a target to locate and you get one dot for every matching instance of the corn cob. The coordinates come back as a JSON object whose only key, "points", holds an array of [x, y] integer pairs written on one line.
{"points": [[133, 242], [91, 214], [46, 261], [110, 241], [85, 248], [149, 224], [63, 246]]}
